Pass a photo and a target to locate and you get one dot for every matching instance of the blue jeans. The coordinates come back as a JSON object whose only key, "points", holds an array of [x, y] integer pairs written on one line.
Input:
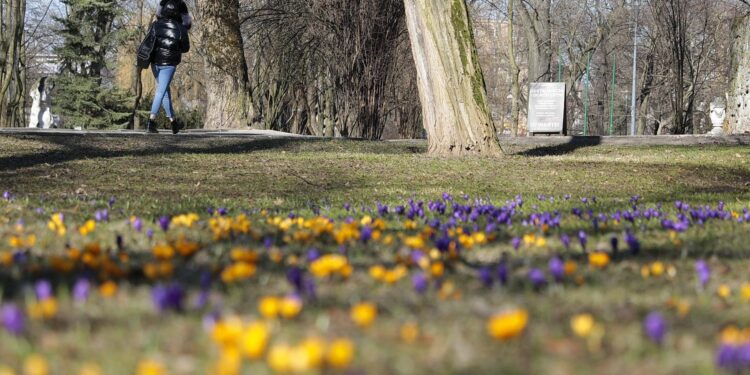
{"points": [[163, 96]]}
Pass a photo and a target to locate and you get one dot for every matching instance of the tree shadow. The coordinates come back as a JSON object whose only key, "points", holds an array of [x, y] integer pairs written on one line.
{"points": [[69, 148], [571, 146]]}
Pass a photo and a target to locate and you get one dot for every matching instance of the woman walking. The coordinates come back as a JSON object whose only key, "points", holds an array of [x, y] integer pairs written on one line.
{"points": [[170, 42]]}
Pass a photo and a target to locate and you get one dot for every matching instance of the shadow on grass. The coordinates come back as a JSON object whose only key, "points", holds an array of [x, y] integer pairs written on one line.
{"points": [[72, 148], [562, 149]]}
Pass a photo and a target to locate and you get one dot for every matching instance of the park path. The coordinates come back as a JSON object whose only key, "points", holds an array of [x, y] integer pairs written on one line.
{"points": [[531, 145], [137, 133]]}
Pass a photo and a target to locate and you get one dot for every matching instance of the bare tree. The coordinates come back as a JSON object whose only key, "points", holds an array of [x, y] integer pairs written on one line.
{"points": [[12, 80], [537, 26]]}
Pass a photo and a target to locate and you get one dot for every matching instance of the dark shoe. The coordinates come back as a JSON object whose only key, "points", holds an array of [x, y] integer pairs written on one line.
{"points": [[151, 127], [177, 126]]}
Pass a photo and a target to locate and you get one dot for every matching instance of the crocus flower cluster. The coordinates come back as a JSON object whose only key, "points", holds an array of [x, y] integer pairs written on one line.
{"points": [[423, 247]]}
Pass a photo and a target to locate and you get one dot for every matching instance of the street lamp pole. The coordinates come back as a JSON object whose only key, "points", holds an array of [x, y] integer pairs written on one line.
{"points": [[634, 112]]}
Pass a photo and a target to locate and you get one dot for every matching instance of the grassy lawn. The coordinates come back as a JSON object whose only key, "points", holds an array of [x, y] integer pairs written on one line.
{"points": [[274, 189]]}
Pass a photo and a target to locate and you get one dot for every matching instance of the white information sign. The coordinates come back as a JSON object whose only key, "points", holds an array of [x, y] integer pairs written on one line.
{"points": [[547, 108]]}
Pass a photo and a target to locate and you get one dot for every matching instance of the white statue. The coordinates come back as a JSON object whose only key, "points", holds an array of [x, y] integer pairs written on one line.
{"points": [[718, 115], [41, 113]]}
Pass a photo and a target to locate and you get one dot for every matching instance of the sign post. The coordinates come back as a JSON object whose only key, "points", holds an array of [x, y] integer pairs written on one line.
{"points": [[547, 108]]}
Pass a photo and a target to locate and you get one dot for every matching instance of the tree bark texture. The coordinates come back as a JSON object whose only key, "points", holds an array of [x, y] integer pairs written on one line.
{"points": [[225, 64], [515, 72], [450, 80], [738, 105], [12, 87], [537, 23]]}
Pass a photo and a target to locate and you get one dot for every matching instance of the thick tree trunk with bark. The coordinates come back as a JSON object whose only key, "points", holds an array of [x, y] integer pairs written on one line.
{"points": [[225, 66], [451, 85], [738, 106]]}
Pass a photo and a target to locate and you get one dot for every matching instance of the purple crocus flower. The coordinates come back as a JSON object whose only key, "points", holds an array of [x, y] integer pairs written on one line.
{"points": [[577, 211], [205, 280], [678, 205], [583, 239], [486, 277], [382, 209], [347, 206], [744, 355], [537, 278], [313, 254], [223, 211], [557, 268], [655, 327], [111, 202], [43, 290], [516, 243], [308, 287], [417, 256], [168, 297], [565, 239], [268, 242], [210, 320], [633, 243], [12, 319], [502, 273], [101, 215], [365, 235], [420, 283], [164, 222], [726, 357], [150, 233], [81, 290], [20, 257], [6, 195], [294, 276], [703, 271], [137, 224], [202, 300]]}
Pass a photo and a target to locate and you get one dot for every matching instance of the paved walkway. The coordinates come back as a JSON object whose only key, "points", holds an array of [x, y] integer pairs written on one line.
{"points": [[516, 144], [162, 132]]}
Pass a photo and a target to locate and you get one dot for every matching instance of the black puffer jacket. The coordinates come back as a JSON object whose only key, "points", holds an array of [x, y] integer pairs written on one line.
{"points": [[171, 42]]}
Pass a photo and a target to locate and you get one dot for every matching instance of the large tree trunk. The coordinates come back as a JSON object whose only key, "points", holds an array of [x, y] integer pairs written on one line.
{"points": [[451, 85], [225, 65], [738, 107]]}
